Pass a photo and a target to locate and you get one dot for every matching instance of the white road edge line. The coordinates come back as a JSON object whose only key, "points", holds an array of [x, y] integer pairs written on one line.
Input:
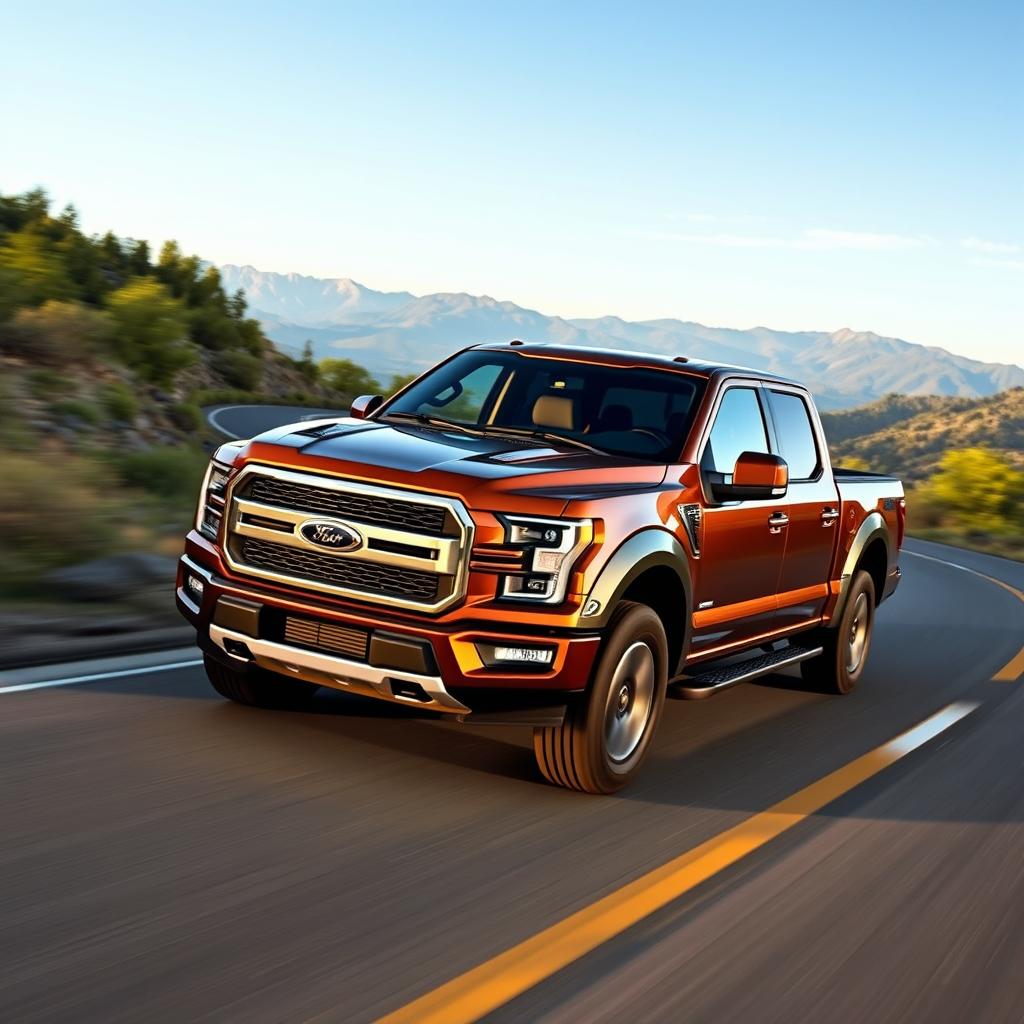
{"points": [[212, 417], [952, 565], [931, 727], [95, 678]]}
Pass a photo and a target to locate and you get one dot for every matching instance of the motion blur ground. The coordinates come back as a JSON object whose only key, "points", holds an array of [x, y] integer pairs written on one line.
{"points": [[168, 856]]}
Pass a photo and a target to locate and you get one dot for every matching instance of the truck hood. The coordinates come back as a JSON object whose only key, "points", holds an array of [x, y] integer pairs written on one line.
{"points": [[469, 465]]}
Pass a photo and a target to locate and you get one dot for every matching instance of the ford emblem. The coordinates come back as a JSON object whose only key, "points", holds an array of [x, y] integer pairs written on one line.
{"points": [[330, 535]]}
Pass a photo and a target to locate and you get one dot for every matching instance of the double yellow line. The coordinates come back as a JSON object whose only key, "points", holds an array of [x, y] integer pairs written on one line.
{"points": [[483, 989]]}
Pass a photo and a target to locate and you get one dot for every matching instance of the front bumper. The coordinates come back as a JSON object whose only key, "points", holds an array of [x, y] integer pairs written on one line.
{"points": [[449, 676]]}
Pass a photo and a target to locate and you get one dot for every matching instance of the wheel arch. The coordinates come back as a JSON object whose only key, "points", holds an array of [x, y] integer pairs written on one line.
{"points": [[870, 550], [651, 568]]}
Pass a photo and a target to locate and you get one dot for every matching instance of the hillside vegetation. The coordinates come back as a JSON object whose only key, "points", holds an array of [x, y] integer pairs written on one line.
{"points": [[909, 435], [961, 459], [106, 356]]}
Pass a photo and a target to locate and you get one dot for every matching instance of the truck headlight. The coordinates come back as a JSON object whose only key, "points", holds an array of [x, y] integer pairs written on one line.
{"points": [[552, 548], [211, 500]]}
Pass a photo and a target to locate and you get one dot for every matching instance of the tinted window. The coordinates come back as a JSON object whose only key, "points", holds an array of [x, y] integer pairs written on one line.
{"points": [[739, 427], [796, 435], [628, 411], [462, 399]]}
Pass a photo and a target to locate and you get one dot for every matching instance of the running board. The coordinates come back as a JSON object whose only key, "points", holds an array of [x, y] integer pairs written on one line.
{"points": [[713, 680]]}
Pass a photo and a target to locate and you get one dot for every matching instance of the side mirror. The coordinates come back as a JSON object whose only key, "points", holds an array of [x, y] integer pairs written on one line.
{"points": [[756, 475], [365, 405]]}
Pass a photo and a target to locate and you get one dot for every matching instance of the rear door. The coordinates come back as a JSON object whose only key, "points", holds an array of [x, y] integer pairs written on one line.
{"points": [[811, 502], [741, 552]]}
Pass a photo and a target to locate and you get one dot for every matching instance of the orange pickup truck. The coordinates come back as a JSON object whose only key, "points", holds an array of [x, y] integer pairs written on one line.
{"points": [[552, 536]]}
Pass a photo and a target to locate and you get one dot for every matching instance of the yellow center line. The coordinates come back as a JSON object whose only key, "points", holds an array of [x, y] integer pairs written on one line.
{"points": [[492, 984], [1014, 668]]}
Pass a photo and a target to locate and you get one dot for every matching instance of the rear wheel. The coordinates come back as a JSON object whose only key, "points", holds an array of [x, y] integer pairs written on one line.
{"points": [[839, 667], [605, 738], [256, 687]]}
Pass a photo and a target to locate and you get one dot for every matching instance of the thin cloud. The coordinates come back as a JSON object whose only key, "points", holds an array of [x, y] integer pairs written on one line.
{"points": [[814, 239], [993, 248], [1017, 265]]}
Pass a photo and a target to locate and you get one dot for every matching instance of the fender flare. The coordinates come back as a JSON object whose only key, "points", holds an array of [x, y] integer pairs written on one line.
{"points": [[873, 528], [648, 549]]}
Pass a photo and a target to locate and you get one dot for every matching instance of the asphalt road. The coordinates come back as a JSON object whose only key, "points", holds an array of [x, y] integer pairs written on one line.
{"points": [[245, 421], [168, 856]]}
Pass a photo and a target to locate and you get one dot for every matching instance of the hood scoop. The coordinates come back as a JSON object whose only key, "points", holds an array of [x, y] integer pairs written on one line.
{"points": [[526, 455]]}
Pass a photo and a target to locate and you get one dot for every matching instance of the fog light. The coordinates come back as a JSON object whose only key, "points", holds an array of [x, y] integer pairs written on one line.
{"points": [[194, 586], [493, 655]]}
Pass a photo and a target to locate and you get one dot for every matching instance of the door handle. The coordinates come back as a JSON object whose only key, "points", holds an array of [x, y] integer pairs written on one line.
{"points": [[776, 521], [829, 516]]}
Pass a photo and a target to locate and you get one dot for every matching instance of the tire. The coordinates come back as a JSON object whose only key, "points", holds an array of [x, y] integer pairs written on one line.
{"points": [[605, 737], [839, 667], [257, 688]]}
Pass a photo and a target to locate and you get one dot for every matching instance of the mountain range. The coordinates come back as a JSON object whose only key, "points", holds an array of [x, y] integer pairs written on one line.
{"points": [[398, 332]]}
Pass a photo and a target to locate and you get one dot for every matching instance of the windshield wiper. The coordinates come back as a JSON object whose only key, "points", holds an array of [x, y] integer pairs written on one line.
{"points": [[544, 435], [430, 421]]}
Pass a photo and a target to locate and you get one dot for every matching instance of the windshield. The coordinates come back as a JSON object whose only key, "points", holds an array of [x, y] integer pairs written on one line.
{"points": [[632, 412]]}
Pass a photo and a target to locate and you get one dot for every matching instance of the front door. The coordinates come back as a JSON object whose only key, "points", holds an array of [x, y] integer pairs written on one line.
{"points": [[741, 551]]}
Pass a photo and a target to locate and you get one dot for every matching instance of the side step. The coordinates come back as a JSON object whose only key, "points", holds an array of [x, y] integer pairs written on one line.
{"points": [[698, 685]]}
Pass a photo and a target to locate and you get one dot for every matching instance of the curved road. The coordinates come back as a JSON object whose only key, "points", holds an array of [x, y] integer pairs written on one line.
{"points": [[235, 421], [168, 856]]}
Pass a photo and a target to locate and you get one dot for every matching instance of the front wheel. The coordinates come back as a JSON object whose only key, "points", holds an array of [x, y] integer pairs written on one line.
{"points": [[839, 667], [605, 738]]}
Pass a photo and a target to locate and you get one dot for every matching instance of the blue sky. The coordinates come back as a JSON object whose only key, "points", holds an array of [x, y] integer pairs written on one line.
{"points": [[814, 166]]}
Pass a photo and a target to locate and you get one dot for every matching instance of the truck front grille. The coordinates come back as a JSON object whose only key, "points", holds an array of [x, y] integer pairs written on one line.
{"points": [[408, 549], [363, 508], [349, 574]]}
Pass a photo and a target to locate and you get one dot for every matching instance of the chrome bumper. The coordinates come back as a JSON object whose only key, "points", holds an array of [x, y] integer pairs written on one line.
{"points": [[338, 673]]}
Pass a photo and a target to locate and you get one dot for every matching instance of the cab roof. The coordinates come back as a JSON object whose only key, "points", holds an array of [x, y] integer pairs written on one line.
{"points": [[627, 358]]}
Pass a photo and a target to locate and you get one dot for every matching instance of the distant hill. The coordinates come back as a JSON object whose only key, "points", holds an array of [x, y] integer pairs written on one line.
{"points": [[909, 436], [396, 332]]}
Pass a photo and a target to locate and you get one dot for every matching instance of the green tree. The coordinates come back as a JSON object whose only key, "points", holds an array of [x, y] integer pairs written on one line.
{"points": [[978, 491], [307, 364], [348, 377], [150, 330], [399, 381], [31, 271]]}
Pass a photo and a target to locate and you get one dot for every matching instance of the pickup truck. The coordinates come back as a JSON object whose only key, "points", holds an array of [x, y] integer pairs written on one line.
{"points": [[558, 537]]}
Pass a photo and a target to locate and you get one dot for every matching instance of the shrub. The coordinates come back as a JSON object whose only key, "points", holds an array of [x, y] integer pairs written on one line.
{"points": [[977, 491], [225, 396], [239, 369], [83, 493], [48, 384], [120, 402], [186, 416], [169, 471], [57, 333], [80, 409]]}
